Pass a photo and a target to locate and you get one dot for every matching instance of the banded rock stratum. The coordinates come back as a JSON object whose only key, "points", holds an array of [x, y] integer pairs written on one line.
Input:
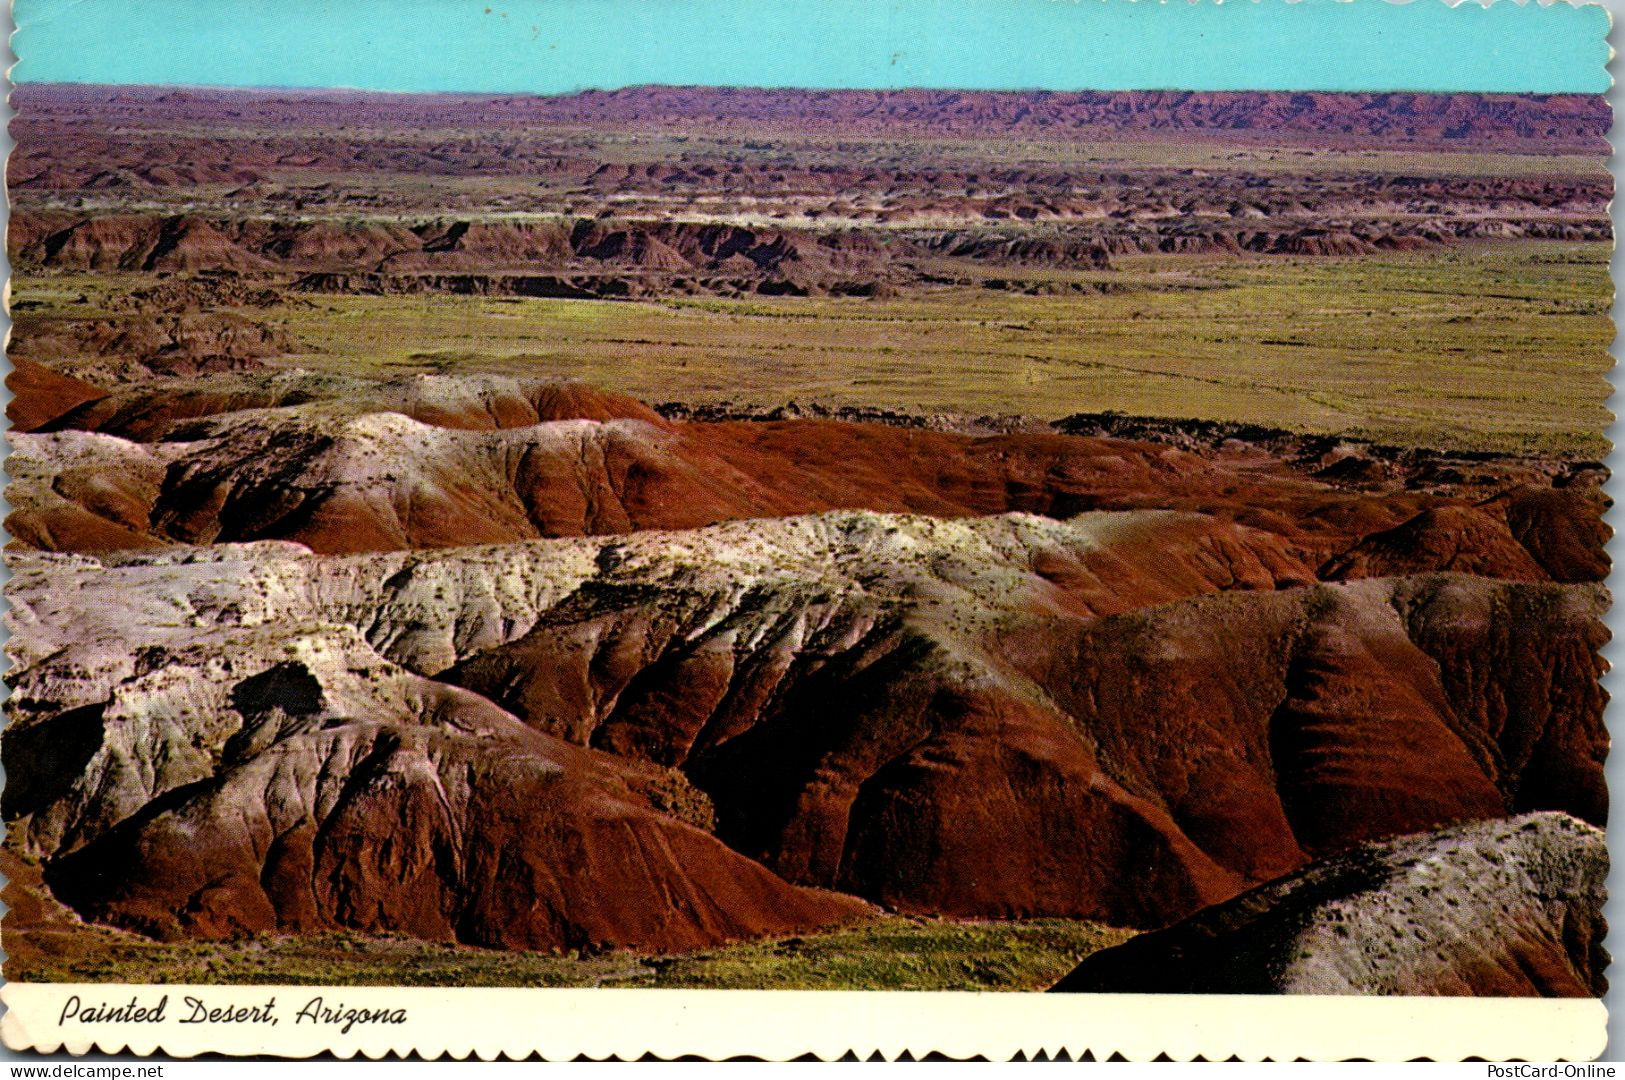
{"points": [[529, 744]]}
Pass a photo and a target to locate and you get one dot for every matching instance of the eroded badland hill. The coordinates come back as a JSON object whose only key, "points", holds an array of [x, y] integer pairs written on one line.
{"points": [[1156, 511]]}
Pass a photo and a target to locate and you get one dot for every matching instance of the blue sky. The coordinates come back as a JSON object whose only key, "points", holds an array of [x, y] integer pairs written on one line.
{"points": [[553, 46]]}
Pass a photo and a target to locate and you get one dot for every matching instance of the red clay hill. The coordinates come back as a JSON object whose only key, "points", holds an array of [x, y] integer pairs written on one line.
{"points": [[498, 460]]}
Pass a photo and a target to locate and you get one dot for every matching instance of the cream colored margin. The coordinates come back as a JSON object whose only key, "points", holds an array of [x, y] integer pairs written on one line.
{"points": [[779, 1024]]}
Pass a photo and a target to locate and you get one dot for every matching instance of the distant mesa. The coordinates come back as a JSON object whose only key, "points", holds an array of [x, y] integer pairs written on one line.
{"points": [[1348, 119], [635, 258], [301, 190]]}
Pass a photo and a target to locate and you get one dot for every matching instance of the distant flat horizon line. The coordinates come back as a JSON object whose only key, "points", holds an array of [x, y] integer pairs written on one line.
{"points": [[313, 90]]}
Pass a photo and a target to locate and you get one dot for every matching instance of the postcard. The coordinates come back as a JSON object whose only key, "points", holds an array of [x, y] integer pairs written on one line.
{"points": [[596, 528]]}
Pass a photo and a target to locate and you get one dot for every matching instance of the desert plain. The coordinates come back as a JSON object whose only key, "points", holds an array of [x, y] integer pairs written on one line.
{"points": [[757, 538]]}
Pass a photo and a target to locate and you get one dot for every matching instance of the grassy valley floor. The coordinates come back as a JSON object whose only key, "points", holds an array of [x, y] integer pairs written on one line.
{"points": [[1498, 347], [892, 953]]}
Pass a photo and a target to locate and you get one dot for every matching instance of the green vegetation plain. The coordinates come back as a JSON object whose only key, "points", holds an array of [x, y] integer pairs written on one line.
{"points": [[1498, 346], [892, 953]]}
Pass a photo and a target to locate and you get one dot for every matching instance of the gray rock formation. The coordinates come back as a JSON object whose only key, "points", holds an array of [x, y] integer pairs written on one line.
{"points": [[1500, 908]]}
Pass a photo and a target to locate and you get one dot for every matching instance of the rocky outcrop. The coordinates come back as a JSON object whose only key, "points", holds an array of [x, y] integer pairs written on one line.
{"points": [[1562, 528], [138, 346], [1460, 539], [84, 492], [283, 776], [439, 817], [40, 395], [1497, 908]]}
